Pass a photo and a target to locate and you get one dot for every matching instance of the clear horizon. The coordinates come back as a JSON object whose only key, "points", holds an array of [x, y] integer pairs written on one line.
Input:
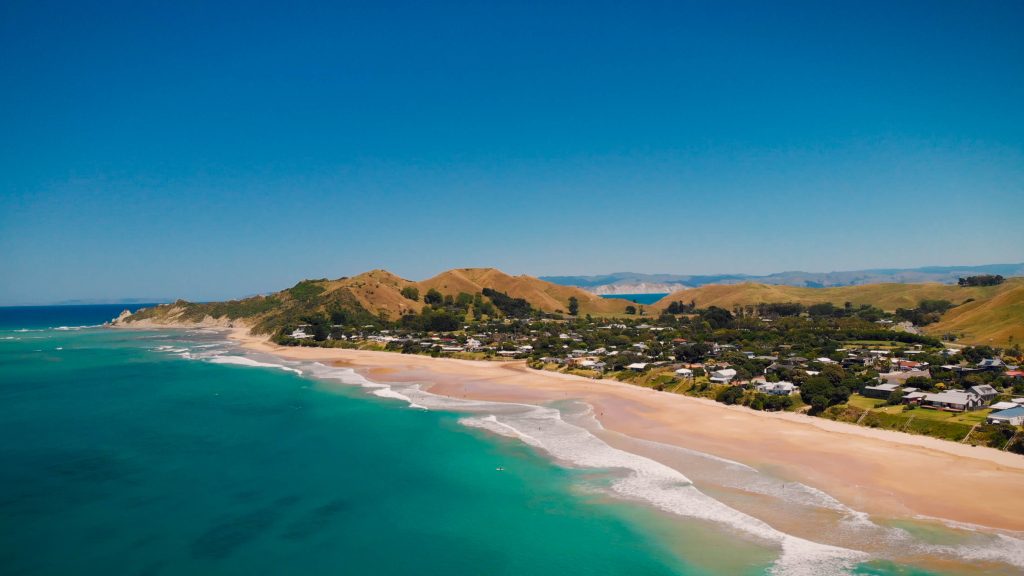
{"points": [[209, 152]]}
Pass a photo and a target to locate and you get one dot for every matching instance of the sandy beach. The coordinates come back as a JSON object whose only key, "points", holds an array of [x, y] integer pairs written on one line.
{"points": [[884, 473]]}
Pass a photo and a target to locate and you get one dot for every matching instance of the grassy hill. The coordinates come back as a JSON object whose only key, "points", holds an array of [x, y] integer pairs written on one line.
{"points": [[997, 320], [984, 314], [546, 296], [371, 296]]}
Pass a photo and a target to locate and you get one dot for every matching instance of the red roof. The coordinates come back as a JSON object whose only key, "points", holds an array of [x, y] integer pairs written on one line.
{"points": [[1015, 373]]}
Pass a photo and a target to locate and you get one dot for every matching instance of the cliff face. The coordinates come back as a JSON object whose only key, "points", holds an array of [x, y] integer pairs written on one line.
{"points": [[637, 288]]}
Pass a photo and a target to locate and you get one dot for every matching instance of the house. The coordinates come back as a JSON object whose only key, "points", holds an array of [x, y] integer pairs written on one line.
{"points": [[1013, 417], [915, 397], [637, 366], [985, 392], [952, 400], [777, 388], [899, 377], [1002, 406], [1015, 374], [992, 364], [906, 365], [723, 376], [300, 334], [881, 390], [684, 373]]}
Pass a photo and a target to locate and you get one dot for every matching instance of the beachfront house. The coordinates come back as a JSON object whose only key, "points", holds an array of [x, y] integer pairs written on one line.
{"points": [[723, 376], [777, 388], [300, 334], [637, 366], [952, 401], [985, 392], [882, 390], [1013, 417]]}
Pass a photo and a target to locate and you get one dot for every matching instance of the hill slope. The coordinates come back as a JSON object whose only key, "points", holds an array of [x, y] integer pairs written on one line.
{"points": [[998, 320], [369, 297], [993, 314], [546, 296]]}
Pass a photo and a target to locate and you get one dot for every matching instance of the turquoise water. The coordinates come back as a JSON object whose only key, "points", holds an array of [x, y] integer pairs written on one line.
{"points": [[122, 454], [116, 459], [644, 299]]}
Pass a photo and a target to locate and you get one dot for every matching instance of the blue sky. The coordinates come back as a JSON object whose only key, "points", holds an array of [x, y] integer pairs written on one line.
{"points": [[210, 150]]}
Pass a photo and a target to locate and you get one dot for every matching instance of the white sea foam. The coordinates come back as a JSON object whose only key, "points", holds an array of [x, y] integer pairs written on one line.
{"points": [[390, 393], [243, 361], [665, 488], [646, 480], [76, 328]]}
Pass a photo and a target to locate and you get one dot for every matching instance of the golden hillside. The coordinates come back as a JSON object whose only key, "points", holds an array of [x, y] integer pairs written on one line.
{"points": [[540, 294], [996, 312], [998, 320]]}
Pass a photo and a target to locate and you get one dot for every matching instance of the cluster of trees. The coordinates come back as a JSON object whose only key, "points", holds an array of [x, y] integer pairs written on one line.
{"points": [[511, 307], [830, 387], [757, 400], [412, 293], [981, 280], [822, 310], [434, 319], [681, 308], [927, 312]]}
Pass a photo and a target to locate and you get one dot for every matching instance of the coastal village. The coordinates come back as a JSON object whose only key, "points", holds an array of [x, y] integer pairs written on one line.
{"points": [[852, 364]]}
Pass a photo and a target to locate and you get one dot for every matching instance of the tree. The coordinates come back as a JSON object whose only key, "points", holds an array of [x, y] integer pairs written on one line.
{"points": [[730, 395], [411, 293], [574, 306], [433, 297], [981, 280], [717, 317], [630, 309]]}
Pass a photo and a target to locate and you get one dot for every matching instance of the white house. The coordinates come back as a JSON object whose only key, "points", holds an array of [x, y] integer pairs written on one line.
{"points": [[684, 373], [723, 376], [299, 334], [777, 388], [952, 400], [637, 366]]}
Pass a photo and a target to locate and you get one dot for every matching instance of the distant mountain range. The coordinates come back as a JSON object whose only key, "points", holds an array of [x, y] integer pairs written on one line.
{"points": [[636, 283]]}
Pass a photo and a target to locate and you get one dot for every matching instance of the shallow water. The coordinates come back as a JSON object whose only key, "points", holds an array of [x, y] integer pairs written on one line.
{"points": [[175, 452]]}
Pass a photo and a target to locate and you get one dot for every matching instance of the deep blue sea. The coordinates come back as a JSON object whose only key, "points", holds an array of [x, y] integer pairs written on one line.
{"points": [[172, 453]]}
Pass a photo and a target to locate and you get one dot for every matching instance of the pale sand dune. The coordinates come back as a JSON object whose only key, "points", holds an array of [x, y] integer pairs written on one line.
{"points": [[884, 473]]}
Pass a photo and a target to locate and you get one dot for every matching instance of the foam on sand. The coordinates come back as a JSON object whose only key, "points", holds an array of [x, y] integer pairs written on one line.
{"points": [[243, 361]]}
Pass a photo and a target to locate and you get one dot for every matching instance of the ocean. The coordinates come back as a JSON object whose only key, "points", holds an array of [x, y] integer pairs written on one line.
{"points": [[173, 452], [645, 299]]}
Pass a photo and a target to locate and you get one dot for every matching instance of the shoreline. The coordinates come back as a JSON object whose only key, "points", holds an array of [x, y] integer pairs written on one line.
{"points": [[880, 472]]}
